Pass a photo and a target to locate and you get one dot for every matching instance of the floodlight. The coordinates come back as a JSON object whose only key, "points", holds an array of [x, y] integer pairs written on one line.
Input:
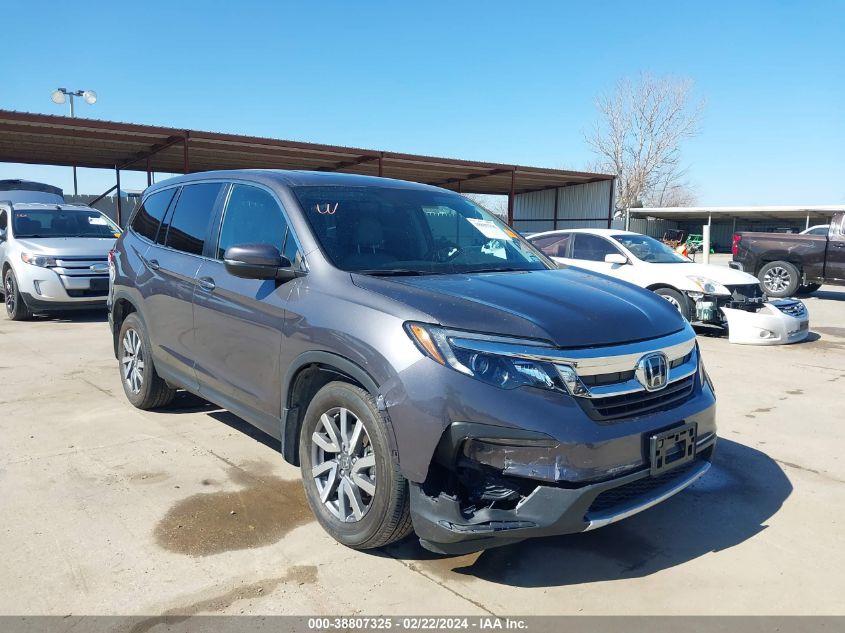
{"points": [[90, 97], [58, 96]]}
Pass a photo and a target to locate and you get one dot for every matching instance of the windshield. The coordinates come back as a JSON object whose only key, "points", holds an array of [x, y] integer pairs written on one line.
{"points": [[62, 223], [650, 250], [380, 230]]}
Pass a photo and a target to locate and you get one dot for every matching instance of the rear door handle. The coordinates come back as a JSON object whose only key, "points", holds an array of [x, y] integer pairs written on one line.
{"points": [[206, 283], [153, 264]]}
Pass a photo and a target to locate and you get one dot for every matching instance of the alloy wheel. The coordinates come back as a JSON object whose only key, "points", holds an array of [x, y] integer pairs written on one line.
{"points": [[776, 279], [673, 301], [9, 289], [343, 464], [133, 361]]}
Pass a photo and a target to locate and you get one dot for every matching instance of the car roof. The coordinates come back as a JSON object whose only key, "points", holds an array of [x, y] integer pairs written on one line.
{"points": [[603, 232], [47, 206], [297, 178]]}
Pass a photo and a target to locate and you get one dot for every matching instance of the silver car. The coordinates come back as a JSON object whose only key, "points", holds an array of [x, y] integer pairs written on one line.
{"points": [[54, 257]]}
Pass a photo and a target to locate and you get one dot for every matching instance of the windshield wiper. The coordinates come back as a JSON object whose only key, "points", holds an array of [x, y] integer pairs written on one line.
{"points": [[396, 272], [495, 270]]}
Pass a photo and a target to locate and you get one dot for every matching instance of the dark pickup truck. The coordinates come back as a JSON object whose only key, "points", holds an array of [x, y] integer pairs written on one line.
{"points": [[788, 264]]}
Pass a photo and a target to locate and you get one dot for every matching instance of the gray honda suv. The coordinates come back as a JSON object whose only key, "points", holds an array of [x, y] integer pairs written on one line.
{"points": [[426, 367]]}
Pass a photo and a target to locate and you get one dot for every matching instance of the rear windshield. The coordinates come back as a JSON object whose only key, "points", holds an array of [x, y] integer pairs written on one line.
{"points": [[380, 230], [62, 223]]}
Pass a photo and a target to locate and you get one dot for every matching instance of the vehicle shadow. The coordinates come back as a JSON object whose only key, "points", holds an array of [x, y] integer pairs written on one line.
{"points": [[99, 315], [728, 506], [828, 294]]}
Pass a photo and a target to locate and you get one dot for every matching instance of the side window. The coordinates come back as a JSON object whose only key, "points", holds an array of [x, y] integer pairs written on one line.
{"points": [[149, 215], [189, 224], [553, 245], [592, 248], [252, 216], [4, 220]]}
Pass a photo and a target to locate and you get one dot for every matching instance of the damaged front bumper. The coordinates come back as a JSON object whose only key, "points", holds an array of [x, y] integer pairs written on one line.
{"points": [[448, 523], [752, 320], [777, 322]]}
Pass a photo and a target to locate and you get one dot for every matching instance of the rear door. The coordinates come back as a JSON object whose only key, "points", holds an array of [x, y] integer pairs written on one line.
{"points": [[173, 263], [238, 322], [835, 261]]}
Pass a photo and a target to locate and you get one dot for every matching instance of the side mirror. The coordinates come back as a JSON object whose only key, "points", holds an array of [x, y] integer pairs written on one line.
{"points": [[615, 258], [257, 261]]}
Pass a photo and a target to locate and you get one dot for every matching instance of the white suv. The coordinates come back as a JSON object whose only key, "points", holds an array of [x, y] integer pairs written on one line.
{"points": [[54, 257]]}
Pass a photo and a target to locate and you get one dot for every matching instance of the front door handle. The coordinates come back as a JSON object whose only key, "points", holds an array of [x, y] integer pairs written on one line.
{"points": [[206, 283], [153, 264]]}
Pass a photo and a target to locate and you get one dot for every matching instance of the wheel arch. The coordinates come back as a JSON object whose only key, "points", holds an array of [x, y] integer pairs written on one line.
{"points": [[309, 373], [122, 306], [781, 256]]}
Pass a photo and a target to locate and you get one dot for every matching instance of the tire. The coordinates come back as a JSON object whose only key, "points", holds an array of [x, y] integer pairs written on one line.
{"points": [[808, 289], [360, 505], [16, 309], [677, 299], [142, 385], [779, 279]]}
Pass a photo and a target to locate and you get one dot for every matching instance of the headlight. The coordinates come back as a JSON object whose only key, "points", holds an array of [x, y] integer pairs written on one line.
{"points": [[703, 376], [445, 347], [38, 260], [708, 285]]}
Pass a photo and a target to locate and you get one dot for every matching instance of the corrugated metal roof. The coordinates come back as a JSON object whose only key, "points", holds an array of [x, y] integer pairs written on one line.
{"points": [[58, 140]]}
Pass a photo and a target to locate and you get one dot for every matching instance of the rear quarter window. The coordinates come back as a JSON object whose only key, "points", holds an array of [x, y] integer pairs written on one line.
{"points": [[149, 216]]}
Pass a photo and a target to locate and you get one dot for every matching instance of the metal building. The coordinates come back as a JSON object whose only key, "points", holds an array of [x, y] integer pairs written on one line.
{"points": [[588, 204], [725, 221]]}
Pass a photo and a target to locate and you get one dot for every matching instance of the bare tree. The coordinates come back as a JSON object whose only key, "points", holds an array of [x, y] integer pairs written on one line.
{"points": [[639, 135], [497, 205]]}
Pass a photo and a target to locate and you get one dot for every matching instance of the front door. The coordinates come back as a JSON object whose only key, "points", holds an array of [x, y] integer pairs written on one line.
{"points": [[238, 322]]}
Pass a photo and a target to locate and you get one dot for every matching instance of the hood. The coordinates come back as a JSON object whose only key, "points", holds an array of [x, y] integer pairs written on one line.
{"points": [[68, 246], [569, 307], [723, 274]]}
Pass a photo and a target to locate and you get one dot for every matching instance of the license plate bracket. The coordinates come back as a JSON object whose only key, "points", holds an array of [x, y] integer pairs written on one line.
{"points": [[672, 448]]}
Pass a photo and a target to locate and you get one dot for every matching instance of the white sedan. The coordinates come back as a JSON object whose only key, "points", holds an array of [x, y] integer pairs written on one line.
{"points": [[703, 293]]}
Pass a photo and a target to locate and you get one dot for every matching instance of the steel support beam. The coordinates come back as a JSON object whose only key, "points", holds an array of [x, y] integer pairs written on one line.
{"points": [[511, 196], [102, 195], [149, 173], [381, 165], [185, 164], [119, 204], [556, 215], [475, 176]]}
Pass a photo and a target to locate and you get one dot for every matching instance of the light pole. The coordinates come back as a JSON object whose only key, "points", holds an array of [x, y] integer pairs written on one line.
{"points": [[59, 96]]}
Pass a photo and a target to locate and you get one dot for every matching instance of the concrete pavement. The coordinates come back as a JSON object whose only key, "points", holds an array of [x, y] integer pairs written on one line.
{"points": [[105, 509]]}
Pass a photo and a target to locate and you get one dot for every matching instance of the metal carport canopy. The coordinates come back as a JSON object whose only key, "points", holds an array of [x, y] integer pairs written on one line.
{"points": [[822, 213], [58, 140]]}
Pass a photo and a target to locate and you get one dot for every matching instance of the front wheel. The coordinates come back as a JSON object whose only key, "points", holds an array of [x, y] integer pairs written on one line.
{"points": [[352, 484], [16, 309], [779, 279], [677, 299]]}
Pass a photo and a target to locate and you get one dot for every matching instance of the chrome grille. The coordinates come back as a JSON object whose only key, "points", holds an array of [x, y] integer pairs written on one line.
{"points": [[795, 309], [629, 405]]}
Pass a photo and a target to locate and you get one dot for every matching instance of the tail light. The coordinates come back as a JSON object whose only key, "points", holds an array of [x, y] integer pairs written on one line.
{"points": [[735, 245]]}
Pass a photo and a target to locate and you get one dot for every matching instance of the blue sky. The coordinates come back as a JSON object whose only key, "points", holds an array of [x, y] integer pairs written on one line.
{"points": [[509, 82]]}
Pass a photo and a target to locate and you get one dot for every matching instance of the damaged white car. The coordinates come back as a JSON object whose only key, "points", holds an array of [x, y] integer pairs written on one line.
{"points": [[705, 294]]}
